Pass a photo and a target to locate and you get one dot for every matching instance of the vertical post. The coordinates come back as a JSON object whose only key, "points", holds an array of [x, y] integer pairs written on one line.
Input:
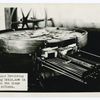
{"points": [[10, 16], [45, 18], [7, 18]]}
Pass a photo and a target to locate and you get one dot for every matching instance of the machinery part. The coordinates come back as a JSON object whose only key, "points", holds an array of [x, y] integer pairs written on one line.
{"points": [[63, 64], [81, 36], [20, 46], [89, 58], [70, 49], [24, 20], [87, 53], [36, 21], [52, 21], [24, 41], [56, 69], [47, 52], [80, 62], [72, 67]]}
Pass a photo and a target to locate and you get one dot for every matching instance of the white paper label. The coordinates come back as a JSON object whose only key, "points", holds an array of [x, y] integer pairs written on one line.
{"points": [[13, 82]]}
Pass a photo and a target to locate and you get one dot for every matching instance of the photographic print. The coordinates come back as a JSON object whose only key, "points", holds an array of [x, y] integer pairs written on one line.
{"points": [[50, 48]]}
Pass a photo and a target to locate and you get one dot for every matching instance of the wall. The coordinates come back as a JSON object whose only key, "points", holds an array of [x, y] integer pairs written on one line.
{"points": [[2, 19], [80, 15]]}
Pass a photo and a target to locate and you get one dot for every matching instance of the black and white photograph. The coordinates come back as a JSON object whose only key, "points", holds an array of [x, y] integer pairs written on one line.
{"points": [[50, 48]]}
